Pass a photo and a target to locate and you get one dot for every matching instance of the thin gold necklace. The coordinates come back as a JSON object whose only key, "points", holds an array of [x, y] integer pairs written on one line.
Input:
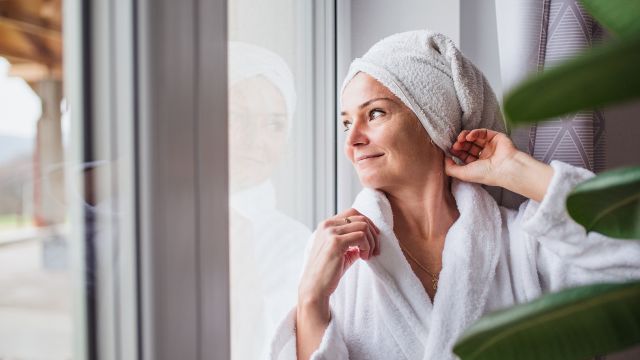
{"points": [[434, 277]]}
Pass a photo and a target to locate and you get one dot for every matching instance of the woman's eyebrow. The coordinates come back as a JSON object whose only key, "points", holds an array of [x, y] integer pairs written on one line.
{"points": [[368, 102]]}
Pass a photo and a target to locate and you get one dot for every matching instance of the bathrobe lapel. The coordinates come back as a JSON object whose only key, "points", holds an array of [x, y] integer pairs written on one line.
{"points": [[404, 304], [471, 252], [469, 259]]}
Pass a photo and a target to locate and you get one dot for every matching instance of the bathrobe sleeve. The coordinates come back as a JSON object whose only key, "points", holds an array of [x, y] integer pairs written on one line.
{"points": [[567, 255], [332, 345]]}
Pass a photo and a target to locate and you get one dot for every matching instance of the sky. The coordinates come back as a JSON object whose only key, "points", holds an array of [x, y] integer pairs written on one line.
{"points": [[20, 107]]}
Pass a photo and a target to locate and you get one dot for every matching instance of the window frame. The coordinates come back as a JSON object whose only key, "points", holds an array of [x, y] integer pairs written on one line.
{"points": [[183, 186]]}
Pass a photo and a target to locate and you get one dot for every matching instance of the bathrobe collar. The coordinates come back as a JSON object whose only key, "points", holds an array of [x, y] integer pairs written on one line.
{"points": [[469, 259]]}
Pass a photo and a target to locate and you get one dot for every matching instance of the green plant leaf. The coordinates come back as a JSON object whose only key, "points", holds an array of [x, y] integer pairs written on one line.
{"points": [[601, 76], [619, 16], [609, 203], [572, 324]]}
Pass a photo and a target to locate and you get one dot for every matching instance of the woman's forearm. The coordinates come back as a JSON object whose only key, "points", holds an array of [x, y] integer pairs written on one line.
{"points": [[312, 319], [526, 176]]}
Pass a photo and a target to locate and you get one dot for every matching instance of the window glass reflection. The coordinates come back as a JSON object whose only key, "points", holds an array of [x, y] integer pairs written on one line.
{"points": [[266, 243]]}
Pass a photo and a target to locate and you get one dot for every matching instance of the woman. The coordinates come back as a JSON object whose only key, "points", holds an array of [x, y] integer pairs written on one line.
{"points": [[437, 250]]}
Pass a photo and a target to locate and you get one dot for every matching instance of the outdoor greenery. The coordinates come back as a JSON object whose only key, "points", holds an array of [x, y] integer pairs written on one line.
{"points": [[595, 319], [12, 222]]}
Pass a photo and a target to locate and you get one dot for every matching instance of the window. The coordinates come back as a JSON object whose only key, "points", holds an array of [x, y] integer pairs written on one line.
{"points": [[281, 152], [113, 235]]}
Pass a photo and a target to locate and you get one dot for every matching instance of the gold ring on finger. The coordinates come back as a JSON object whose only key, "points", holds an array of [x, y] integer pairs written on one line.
{"points": [[347, 220]]}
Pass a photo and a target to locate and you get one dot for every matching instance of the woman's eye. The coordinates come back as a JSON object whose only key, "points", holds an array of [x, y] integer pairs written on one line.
{"points": [[346, 124], [375, 113], [276, 125]]}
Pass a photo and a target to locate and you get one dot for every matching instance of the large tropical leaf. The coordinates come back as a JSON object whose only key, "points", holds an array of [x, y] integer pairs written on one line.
{"points": [[609, 203], [572, 324], [601, 76], [618, 16]]}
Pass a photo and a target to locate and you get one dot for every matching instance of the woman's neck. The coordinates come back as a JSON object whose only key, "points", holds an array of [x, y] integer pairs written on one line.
{"points": [[423, 211]]}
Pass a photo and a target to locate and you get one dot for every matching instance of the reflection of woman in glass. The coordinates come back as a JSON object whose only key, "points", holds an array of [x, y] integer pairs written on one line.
{"points": [[266, 245]]}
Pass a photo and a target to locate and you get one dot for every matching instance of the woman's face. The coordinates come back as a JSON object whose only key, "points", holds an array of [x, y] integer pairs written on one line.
{"points": [[385, 141], [258, 124]]}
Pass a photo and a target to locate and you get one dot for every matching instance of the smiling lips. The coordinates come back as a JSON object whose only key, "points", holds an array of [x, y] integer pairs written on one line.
{"points": [[369, 156]]}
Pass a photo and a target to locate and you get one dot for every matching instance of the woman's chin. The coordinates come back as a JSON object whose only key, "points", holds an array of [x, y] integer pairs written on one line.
{"points": [[373, 181]]}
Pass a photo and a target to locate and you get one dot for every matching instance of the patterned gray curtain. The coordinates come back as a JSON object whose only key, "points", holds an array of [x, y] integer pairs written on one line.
{"points": [[551, 32]]}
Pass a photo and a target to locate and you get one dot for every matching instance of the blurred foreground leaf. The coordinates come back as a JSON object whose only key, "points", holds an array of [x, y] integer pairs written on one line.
{"points": [[609, 203], [618, 16], [602, 76], [572, 324]]}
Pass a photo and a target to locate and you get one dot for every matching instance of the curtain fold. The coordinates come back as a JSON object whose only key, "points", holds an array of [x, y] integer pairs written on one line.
{"points": [[534, 35]]}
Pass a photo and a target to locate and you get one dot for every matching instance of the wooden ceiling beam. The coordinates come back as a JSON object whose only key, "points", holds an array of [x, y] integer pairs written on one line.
{"points": [[48, 33], [41, 13], [26, 54]]}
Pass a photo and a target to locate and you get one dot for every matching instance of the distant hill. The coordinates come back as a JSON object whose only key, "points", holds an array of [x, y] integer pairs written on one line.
{"points": [[12, 147]]}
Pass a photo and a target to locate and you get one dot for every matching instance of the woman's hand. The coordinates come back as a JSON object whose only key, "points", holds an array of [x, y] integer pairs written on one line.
{"points": [[338, 244], [491, 158], [486, 154]]}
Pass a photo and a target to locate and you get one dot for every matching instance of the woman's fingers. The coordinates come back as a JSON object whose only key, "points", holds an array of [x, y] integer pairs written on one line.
{"points": [[470, 144], [481, 137], [463, 134], [355, 239], [376, 233], [353, 212], [461, 146], [467, 146], [358, 226], [469, 159], [462, 172], [372, 241], [377, 250], [477, 136], [371, 231], [368, 221], [472, 153], [475, 150]]}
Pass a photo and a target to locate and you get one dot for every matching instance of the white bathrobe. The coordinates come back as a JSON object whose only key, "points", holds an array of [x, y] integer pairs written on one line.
{"points": [[493, 258]]}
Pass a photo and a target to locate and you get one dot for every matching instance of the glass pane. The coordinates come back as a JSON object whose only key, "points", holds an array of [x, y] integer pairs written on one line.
{"points": [[35, 282], [270, 157]]}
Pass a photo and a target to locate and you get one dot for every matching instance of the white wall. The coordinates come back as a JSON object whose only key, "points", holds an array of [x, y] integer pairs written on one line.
{"points": [[372, 20], [479, 39]]}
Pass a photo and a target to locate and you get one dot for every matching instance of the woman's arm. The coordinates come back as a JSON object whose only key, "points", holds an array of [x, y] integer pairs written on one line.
{"points": [[338, 243], [526, 176], [491, 158], [312, 319], [578, 257]]}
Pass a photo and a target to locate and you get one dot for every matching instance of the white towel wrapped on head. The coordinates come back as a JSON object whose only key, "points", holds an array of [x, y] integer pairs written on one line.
{"points": [[430, 75]]}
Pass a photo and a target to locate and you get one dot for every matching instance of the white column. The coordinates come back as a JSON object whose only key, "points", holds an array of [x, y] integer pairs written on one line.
{"points": [[48, 156]]}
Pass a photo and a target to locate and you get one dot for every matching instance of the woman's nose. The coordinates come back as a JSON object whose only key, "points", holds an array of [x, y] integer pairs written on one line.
{"points": [[357, 134]]}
